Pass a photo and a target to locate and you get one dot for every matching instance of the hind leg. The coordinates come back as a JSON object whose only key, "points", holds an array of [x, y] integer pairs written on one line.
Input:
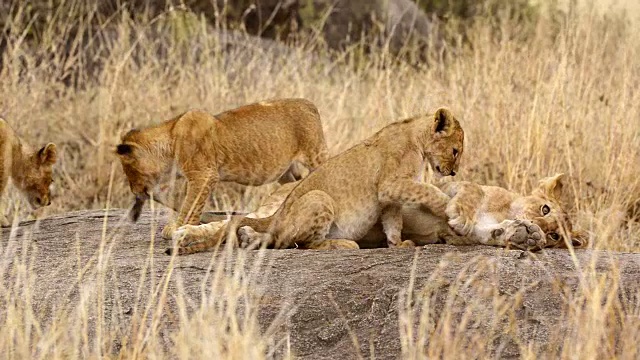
{"points": [[305, 224]]}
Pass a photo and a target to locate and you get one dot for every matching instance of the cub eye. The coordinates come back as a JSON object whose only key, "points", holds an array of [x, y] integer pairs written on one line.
{"points": [[554, 236], [455, 152], [545, 209]]}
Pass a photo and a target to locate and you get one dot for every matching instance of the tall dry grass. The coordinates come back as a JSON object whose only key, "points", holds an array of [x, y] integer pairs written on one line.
{"points": [[89, 319], [562, 100]]}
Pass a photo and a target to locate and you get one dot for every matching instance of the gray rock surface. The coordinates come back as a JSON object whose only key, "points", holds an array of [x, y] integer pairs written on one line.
{"points": [[336, 293]]}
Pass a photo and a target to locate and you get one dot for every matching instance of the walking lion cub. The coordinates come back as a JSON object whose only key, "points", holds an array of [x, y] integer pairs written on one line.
{"points": [[251, 145], [30, 171], [343, 199]]}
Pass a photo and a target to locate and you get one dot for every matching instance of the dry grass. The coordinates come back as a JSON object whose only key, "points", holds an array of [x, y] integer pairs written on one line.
{"points": [[564, 102], [475, 319]]}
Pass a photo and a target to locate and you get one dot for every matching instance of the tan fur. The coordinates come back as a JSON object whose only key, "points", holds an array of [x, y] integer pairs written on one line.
{"points": [[251, 145], [30, 171], [336, 205], [496, 216], [516, 218]]}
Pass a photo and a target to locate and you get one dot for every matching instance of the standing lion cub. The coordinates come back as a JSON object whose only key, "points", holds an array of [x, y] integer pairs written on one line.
{"points": [[251, 145], [30, 171], [343, 199]]}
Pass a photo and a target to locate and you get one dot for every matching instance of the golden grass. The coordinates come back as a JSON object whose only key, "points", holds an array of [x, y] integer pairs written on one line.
{"points": [[557, 102]]}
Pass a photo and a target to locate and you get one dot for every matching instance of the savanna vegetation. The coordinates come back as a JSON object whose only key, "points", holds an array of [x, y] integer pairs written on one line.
{"points": [[540, 88]]}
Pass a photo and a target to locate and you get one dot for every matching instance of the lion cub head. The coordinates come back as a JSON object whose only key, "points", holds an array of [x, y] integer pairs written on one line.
{"points": [[445, 144], [140, 162], [33, 175], [545, 209]]}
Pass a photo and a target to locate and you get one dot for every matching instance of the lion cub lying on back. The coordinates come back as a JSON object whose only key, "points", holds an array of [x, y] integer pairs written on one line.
{"points": [[29, 170], [251, 145], [491, 215], [338, 203], [487, 215]]}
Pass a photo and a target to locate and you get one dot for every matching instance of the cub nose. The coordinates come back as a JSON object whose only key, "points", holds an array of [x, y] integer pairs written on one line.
{"points": [[453, 173]]}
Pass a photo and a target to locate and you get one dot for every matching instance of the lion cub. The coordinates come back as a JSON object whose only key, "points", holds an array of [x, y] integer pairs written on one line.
{"points": [[484, 213], [491, 215], [30, 171], [251, 145], [488, 215], [338, 204]]}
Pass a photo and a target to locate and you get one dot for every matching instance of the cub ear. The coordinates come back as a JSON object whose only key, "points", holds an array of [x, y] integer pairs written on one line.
{"points": [[442, 121], [126, 152], [47, 155], [124, 149], [125, 135], [552, 186]]}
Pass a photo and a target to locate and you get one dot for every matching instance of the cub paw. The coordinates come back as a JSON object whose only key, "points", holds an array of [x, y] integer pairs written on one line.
{"points": [[407, 244], [522, 234], [168, 230], [179, 250], [248, 237], [459, 220], [185, 234]]}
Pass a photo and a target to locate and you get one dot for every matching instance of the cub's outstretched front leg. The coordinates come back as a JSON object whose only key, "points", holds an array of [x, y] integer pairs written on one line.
{"points": [[186, 234], [198, 190]]}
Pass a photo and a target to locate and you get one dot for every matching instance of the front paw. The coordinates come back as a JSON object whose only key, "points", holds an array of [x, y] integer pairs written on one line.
{"points": [[248, 238], [406, 244], [459, 221], [459, 217], [522, 234], [168, 230], [185, 234], [178, 250]]}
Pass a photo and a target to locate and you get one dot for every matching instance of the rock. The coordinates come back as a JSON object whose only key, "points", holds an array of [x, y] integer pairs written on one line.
{"points": [[337, 294], [342, 22]]}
